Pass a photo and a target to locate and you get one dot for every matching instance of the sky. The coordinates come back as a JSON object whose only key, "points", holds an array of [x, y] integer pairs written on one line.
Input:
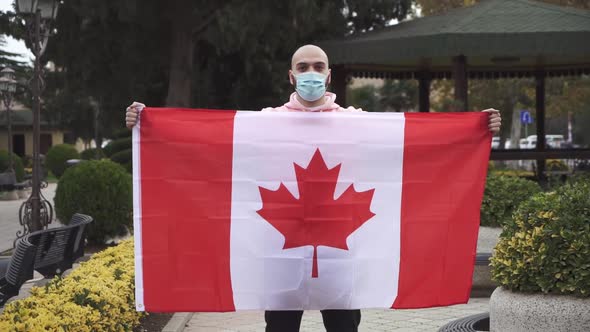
{"points": [[13, 45]]}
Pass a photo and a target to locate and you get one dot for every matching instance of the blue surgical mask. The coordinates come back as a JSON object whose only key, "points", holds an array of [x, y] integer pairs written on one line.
{"points": [[310, 86]]}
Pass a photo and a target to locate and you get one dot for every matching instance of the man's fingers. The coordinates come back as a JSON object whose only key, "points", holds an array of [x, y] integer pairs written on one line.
{"points": [[136, 105], [495, 120], [491, 110], [132, 114]]}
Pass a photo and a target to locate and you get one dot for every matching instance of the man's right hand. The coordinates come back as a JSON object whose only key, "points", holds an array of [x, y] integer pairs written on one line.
{"points": [[132, 114]]}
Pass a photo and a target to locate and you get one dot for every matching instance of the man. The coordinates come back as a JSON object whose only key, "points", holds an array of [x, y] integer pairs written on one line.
{"points": [[310, 75]]}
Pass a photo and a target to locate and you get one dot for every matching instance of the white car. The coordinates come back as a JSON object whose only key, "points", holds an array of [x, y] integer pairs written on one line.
{"points": [[552, 141], [495, 142]]}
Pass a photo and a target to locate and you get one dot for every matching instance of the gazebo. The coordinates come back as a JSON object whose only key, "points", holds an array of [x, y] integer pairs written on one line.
{"points": [[489, 40]]}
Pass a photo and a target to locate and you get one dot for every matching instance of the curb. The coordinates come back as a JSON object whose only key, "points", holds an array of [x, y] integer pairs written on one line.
{"points": [[178, 322]]}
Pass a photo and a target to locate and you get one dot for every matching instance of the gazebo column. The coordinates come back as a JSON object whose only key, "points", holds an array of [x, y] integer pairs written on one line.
{"points": [[460, 78], [424, 80], [540, 114], [339, 82]]}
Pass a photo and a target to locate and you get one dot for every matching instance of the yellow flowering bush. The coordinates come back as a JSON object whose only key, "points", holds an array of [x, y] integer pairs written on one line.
{"points": [[96, 296], [546, 247]]}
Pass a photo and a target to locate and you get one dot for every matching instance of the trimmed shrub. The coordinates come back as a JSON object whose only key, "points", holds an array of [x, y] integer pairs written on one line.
{"points": [[101, 189], [547, 247], [120, 133], [502, 196], [90, 154], [580, 177], [124, 158], [97, 296], [556, 165], [58, 155], [17, 164], [117, 145]]}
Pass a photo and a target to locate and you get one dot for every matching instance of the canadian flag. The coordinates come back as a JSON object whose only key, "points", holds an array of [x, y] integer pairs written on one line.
{"points": [[238, 210]]}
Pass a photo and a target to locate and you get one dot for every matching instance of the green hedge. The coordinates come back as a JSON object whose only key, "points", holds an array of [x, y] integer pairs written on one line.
{"points": [[117, 145], [120, 133], [547, 246], [92, 153], [17, 165], [122, 157], [502, 196], [101, 189], [58, 155]]}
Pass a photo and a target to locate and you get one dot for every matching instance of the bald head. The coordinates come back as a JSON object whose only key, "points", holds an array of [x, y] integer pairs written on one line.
{"points": [[310, 59], [309, 54]]}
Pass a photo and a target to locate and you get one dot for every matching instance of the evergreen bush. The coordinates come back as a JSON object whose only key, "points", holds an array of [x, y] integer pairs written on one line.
{"points": [[17, 165], [117, 145], [58, 155], [502, 196], [92, 153], [101, 189]]}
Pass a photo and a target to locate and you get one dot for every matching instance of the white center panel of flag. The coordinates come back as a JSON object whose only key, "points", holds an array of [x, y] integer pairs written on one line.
{"points": [[368, 149]]}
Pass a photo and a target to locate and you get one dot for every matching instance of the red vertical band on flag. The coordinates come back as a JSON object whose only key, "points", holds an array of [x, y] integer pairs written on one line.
{"points": [[186, 172], [444, 170]]}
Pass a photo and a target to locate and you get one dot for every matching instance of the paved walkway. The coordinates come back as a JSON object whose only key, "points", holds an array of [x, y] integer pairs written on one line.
{"points": [[9, 224], [413, 320]]}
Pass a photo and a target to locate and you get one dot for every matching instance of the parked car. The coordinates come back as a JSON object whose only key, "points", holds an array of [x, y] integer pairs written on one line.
{"points": [[495, 142], [531, 142], [551, 141], [508, 144]]}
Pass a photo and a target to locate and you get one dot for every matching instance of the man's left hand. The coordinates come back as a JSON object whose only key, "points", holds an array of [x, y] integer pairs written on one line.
{"points": [[495, 120]]}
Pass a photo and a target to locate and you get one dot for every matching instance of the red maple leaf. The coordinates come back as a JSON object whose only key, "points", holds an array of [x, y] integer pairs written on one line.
{"points": [[316, 218]]}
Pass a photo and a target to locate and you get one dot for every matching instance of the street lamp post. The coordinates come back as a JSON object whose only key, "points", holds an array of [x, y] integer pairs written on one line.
{"points": [[36, 212], [7, 88]]}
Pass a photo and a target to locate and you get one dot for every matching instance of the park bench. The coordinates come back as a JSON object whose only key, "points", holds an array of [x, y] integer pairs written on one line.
{"points": [[8, 182], [58, 248], [49, 252], [15, 270]]}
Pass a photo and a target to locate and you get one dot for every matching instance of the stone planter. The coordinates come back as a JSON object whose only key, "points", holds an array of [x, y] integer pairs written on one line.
{"points": [[517, 312]]}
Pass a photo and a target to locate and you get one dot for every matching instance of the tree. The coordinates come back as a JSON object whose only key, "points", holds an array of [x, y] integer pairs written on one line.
{"points": [[365, 97], [21, 68], [433, 7], [399, 95], [216, 54], [7, 58]]}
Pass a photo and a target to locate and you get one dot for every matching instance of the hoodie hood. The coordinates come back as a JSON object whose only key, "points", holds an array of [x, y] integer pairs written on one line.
{"points": [[329, 104]]}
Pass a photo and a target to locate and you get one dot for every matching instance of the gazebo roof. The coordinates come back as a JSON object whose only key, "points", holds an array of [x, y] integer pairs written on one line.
{"points": [[498, 37]]}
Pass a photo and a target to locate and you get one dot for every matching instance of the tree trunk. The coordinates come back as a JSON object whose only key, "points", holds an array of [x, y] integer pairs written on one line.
{"points": [[181, 57]]}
